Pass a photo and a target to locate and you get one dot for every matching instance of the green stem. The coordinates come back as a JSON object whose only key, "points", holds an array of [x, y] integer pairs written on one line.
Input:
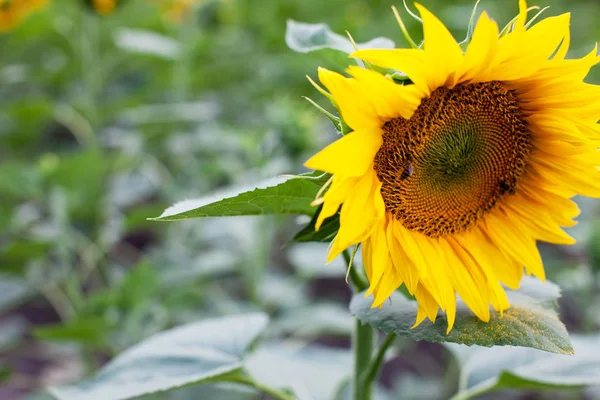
{"points": [[358, 281], [274, 393], [182, 66], [376, 363], [89, 58], [362, 343]]}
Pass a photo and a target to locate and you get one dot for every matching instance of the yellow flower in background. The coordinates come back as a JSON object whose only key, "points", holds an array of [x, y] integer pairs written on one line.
{"points": [[449, 182], [104, 7], [178, 10], [12, 12]]}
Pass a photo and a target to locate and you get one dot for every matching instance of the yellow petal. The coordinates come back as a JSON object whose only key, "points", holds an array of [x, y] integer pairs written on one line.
{"points": [[522, 18], [334, 197], [389, 283], [359, 215], [481, 50], [350, 156], [469, 289], [515, 243], [413, 62], [439, 284], [476, 243], [441, 47], [390, 100], [350, 98], [427, 305], [540, 225], [407, 271], [380, 261], [409, 245], [482, 272]]}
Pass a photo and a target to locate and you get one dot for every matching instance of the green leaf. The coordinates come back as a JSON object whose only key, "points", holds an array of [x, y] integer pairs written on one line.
{"points": [[85, 330], [312, 372], [15, 254], [528, 323], [275, 196], [485, 370], [184, 355], [306, 38], [326, 232], [216, 391], [5, 372], [146, 42], [313, 321]]}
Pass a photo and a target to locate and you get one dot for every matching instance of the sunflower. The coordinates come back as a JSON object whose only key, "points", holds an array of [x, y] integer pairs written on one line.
{"points": [[12, 12], [449, 181], [104, 7]]}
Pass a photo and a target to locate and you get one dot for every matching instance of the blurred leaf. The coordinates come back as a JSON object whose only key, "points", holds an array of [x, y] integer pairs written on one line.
{"points": [[345, 392], [275, 196], [13, 291], [314, 320], [15, 254], [306, 38], [140, 284], [312, 372], [528, 323], [84, 330], [214, 391], [486, 370], [19, 181], [81, 175], [147, 42], [181, 356], [5, 372]]}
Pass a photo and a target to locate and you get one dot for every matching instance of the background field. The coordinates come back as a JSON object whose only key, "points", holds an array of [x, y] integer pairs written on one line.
{"points": [[105, 121]]}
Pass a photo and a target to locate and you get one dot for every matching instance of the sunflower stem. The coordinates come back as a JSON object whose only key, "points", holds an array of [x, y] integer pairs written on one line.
{"points": [[375, 366], [362, 344], [362, 341]]}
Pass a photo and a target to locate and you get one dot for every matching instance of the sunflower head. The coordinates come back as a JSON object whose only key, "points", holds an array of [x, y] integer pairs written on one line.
{"points": [[449, 178]]}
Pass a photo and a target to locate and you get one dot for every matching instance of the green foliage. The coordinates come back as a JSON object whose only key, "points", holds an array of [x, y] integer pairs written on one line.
{"points": [[487, 370], [277, 196], [105, 121], [210, 350], [530, 322], [314, 372], [90, 331], [308, 38], [326, 232]]}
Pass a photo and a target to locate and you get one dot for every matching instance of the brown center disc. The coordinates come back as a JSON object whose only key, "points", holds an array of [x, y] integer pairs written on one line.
{"points": [[445, 167]]}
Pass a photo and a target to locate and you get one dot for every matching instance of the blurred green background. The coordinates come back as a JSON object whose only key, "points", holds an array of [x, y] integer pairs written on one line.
{"points": [[107, 120]]}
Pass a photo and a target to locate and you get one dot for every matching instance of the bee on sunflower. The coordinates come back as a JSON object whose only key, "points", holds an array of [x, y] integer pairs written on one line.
{"points": [[449, 180], [12, 12]]}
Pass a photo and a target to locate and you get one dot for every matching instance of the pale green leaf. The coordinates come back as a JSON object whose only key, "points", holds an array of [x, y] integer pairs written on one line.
{"points": [[528, 323], [485, 370], [275, 196], [311, 372], [182, 356], [306, 38]]}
